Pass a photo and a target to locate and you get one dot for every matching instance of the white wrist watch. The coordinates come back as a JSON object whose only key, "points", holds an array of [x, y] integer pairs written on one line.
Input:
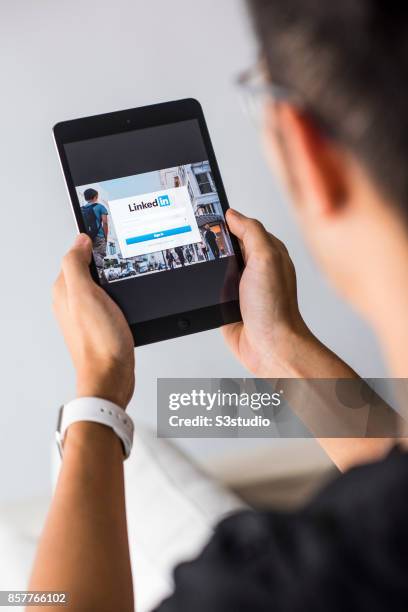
{"points": [[96, 410]]}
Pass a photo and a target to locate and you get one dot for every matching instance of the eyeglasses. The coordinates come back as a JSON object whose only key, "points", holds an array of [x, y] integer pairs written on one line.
{"points": [[256, 89]]}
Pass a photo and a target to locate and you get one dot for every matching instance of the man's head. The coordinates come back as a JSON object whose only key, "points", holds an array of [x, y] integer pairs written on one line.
{"points": [[91, 195], [341, 139]]}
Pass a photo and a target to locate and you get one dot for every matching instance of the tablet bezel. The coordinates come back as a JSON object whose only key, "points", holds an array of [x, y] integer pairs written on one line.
{"points": [[183, 323]]}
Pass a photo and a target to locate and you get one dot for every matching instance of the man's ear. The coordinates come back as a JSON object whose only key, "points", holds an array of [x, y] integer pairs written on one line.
{"points": [[315, 168]]}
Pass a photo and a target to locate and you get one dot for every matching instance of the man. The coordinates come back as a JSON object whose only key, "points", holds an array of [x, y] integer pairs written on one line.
{"points": [[180, 254], [211, 240], [170, 259], [204, 251], [96, 221], [189, 254], [335, 124]]}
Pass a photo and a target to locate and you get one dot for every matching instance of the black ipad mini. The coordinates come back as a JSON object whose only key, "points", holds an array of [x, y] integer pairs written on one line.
{"points": [[145, 186]]}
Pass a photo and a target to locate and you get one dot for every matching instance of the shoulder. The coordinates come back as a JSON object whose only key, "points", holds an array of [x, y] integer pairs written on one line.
{"points": [[101, 209]]}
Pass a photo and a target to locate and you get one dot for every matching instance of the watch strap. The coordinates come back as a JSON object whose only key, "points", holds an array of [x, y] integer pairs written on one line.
{"points": [[96, 410]]}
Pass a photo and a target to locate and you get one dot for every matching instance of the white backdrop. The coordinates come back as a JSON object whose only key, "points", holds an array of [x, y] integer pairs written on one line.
{"points": [[69, 58]]}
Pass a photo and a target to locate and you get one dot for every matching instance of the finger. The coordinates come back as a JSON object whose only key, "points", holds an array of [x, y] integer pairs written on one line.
{"points": [[251, 232], [59, 297], [58, 289], [254, 231], [75, 265], [279, 244], [231, 333]]}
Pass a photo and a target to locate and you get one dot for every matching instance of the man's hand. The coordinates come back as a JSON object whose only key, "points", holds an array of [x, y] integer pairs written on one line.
{"points": [[273, 341], [273, 337], [95, 330]]}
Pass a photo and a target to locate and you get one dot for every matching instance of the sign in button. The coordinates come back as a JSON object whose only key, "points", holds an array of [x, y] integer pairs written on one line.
{"points": [[164, 234]]}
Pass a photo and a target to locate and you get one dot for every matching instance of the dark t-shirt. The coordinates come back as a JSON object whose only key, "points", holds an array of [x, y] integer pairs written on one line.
{"points": [[346, 551]]}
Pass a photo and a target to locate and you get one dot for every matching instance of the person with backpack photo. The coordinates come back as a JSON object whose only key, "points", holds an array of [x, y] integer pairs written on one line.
{"points": [[95, 217]]}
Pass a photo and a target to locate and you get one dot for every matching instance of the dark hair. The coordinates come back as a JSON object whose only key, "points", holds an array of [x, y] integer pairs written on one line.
{"points": [[347, 61], [90, 194]]}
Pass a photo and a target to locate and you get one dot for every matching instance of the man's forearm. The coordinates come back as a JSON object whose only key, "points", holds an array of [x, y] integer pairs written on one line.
{"points": [[308, 358], [84, 546]]}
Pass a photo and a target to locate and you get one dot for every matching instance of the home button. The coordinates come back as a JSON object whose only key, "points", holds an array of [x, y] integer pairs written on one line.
{"points": [[183, 324]]}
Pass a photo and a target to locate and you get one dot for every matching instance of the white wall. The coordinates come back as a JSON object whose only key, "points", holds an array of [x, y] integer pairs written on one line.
{"points": [[69, 58]]}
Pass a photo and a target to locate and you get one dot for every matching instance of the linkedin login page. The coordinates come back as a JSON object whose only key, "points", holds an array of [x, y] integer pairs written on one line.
{"points": [[154, 221]]}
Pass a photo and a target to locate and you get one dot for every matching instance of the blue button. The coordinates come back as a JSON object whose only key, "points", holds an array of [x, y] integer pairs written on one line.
{"points": [[164, 234]]}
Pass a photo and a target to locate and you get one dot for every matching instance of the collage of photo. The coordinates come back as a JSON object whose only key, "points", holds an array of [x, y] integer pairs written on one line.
{"points": [[197, 178]]}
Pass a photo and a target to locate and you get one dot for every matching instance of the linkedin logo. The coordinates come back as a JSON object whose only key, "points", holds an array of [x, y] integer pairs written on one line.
{"points": [[164, 200]]}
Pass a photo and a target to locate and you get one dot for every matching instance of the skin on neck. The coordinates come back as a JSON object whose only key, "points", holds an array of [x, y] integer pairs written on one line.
{"points": [[357, 235]]}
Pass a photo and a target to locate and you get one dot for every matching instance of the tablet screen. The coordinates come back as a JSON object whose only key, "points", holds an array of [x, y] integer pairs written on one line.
{"points": [[151, 206]]}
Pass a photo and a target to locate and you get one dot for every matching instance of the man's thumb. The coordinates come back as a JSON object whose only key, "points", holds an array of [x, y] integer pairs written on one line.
{"points": [[75, 264], [236, 222], [250, 231]]}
